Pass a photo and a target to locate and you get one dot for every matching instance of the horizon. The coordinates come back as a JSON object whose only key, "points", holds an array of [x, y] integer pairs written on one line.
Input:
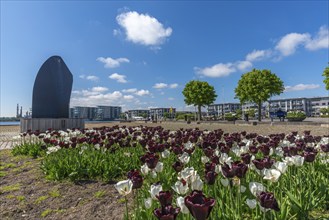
{"points": [[140, 55]]}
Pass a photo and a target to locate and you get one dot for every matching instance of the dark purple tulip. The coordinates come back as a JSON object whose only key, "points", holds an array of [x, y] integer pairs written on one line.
{"points": [[309, 156], [240, 169], [198, 205], [246, 158], [292, 151], [268, 201], [136, 178], [268, 162], [265, 149], [325, 148], [259, 164], [209, 152], [165, 198], [227, 171], [150, 159], [177, 150], [253, 149], [225, 149], [166, 213], [178, 166], [211, 177], [306, 133], [210, 167]]}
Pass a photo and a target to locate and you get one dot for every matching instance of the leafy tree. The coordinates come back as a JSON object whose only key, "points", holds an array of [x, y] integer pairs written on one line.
{"points": [[258, 86], [324, 111], [199, 93], [326, 77], [166, 115]]}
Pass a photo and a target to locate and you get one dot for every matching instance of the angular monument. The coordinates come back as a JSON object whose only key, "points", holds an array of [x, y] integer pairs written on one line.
{"points": [[51, 98], [52, 90]]}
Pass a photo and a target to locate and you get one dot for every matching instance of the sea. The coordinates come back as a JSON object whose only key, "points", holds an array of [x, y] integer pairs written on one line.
{"points": [[9, 123]]}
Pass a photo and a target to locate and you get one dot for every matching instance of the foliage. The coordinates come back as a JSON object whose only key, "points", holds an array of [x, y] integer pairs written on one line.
{"points": [[296, 115], [326, 77], [30, 149], [258, 86], [199, 93], [230, 116], [251, 112], [324, 111]]}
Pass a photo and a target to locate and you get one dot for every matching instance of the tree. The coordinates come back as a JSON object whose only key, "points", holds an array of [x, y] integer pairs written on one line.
{"points": [[258, 86], [326, 77], [199, 93]]}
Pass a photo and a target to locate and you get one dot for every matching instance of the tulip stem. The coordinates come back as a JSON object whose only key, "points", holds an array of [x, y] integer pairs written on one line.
{"points": [[127, 214]]}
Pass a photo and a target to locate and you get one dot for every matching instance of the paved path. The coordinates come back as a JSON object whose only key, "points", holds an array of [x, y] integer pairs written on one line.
{"points": [[6, 140]]}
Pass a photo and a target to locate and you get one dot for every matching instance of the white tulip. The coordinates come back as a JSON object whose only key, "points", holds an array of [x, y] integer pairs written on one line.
{"points": [[180, 188], [180, 201], [188, 146], [242, 189], [224, 158], [186, 173], [154, 174], [144, 169], [225, 182], [124, 187], [196, 183], [165, 153], [204, 159], [281, 166], [148, 203], [155, 189], [256, 188], [184, 158], [298, 160], [271, 174], [159, 167], [251, 203]]}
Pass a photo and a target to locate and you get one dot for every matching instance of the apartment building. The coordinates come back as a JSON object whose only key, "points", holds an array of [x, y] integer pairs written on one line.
{"points": [[221, 109], [160, 113]]}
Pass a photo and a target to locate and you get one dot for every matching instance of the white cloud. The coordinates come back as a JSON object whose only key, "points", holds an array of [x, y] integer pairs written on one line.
{"points": [[290, 42], [99, 89], [142, 92], [300, 87], [92, 78], [160, 85], [92, 98], [128, 97], [142, 28], [320, 41], [133, 90], [82, 76], [243, 65], [218, 70], [173, 86], [257, 55], [119, 78], [112, 63]]}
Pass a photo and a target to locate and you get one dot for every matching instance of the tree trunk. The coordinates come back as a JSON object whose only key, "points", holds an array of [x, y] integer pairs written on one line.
{"points": [[199, 112], [259, 111]]}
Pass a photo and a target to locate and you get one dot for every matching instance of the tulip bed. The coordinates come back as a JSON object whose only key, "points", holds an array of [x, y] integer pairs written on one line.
{"points": [[194, 174]]}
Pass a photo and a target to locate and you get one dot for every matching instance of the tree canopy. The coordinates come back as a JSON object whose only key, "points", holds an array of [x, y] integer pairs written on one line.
{"points": [[258, 86], [326, 77], [199, 93]]}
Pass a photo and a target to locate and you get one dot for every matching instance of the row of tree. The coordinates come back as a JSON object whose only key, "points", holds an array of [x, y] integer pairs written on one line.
{"points": [[256, 86]]}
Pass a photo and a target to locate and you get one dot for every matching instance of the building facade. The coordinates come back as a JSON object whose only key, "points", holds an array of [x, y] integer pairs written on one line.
{"points": [[145, 113], [96, 113], [317, 103], [161, 113], [221, 109]]}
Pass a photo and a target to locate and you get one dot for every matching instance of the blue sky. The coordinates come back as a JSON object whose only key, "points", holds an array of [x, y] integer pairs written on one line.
{"points": [[141, 54]]}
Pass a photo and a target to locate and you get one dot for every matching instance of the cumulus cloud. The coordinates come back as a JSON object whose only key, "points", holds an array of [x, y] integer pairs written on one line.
{"points": [[143, 28], [300, 87], [257, 55], [290, 42], [99, 89], [142, 92], [128, 97], [160, 85], [112, 63], [217, 70], [92, 78], [132, 90], [173, 86], [320, 41], [243, 65], [119, 78]]}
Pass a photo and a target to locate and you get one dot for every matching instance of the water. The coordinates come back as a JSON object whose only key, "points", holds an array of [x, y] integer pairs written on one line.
{"points": [[9, 123]]}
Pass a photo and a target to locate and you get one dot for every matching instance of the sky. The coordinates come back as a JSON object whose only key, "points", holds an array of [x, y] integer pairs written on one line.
{"points": [[140, 54]]}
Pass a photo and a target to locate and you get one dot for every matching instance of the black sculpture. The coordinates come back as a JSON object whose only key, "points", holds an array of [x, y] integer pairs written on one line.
{"points": [[52, 90]]}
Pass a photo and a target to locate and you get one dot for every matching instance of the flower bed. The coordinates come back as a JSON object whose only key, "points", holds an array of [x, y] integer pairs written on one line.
{"points": [[296, 116], [194, 174]]}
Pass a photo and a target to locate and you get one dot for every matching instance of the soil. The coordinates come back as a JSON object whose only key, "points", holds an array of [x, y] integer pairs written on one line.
{"points": [[26, 194]]}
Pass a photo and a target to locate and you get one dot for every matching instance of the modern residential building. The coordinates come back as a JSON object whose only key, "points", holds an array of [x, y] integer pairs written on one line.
{"points": [[145, 113], [96, 113], [317, 103], [160, 113], [221, 109], [302, 104]]}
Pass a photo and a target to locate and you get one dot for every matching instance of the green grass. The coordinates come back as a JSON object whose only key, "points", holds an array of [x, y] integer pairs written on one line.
{"points": [[46, 213], [3, 173], [54, 193], [99, 194], [6, 166], [40, 199], [20, 198], [10, 188]]}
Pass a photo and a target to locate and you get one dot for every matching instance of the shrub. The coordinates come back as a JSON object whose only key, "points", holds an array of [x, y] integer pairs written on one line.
{"points": [[296, 115], [230, 117]]}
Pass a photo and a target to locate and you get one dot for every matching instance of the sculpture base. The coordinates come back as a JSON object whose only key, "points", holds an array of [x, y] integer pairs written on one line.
{"points": [[42, 124]]}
